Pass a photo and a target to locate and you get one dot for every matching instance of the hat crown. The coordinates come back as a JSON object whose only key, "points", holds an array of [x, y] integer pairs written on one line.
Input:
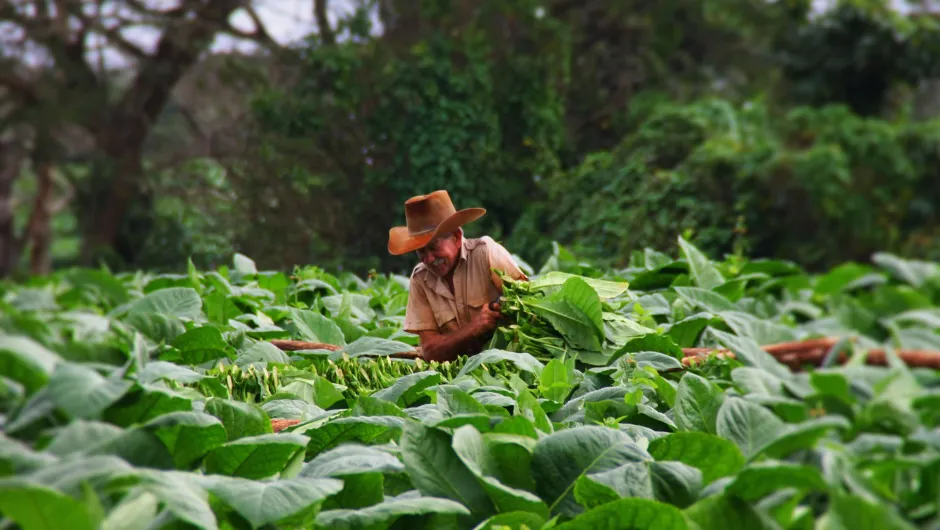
{"points": [[425, 212]]}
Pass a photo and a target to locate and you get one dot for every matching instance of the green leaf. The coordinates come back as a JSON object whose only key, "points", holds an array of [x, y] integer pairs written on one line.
{"points": [[387, 512], [750, 354], [452, 401], [256, 457], [759, 330], [629, 514], [512, 521], [756, 430], [716, 457], [470, 447], [708, 300], [351, 459], [575, 312], [202, 344], [437, 471], [365, 429], [181, 302], [182, 496], [372, 346], [314, 390], [313, 326], [162, 370], [136, 511], [261, 352], [697, 404], [239, 419], [522, 360], [188, 435], [26, 361], [408, 389], [82, 392], [145, 402], [730, 513], [705, 274], [36, 507], [561, 458], [750, 426], [263, 503], [605, 289], [763, 478], [292, 409]]}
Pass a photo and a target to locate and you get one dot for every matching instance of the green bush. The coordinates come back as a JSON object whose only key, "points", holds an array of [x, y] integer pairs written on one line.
{"points": [[815, 185]]}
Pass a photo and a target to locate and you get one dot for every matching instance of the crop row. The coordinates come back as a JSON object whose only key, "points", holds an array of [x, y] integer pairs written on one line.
{"points": [[146, 401]]}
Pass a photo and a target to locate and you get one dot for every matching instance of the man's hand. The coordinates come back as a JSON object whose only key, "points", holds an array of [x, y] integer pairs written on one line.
{"points": [[437, 346], [488, 318]]}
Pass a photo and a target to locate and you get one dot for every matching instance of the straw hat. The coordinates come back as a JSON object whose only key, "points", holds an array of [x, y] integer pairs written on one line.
{"points": [[426, 217]]}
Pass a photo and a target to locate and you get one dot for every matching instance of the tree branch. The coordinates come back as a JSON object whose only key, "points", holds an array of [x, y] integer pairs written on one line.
{"points": [[320, 10]]}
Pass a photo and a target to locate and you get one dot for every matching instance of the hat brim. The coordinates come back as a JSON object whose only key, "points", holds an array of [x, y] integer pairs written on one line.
{"points": [[401, 242]]}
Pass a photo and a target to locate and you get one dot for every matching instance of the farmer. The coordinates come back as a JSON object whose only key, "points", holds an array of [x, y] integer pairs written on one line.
{"points": [[449, 300]]}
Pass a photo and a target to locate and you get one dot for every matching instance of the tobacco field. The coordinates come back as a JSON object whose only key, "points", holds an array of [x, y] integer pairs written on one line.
{"points": [[641, 398]]}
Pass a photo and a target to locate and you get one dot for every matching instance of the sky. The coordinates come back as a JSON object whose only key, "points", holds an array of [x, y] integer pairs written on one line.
{"points": [[285, 21]]}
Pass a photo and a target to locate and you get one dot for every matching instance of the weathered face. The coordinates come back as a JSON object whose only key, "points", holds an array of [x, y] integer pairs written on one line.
{"points": [[441, 254]]}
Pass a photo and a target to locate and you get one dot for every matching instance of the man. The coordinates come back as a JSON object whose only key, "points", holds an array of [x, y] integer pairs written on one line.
{"points": [[453, 285]]}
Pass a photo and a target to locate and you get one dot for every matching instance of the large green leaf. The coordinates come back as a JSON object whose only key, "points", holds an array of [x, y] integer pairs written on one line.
{"points": [[188, 435], [575, 312], [263, 503], [256, 457], [629, 514], [37, 507], [387, 512], [351, 458], [313, 326], [202, 344], [84, 393], [560, 459], [26, 361], [697, 403], [716, 457], [703, 271], [181, 302], [239, 419], [605, 289], [437, 471]]}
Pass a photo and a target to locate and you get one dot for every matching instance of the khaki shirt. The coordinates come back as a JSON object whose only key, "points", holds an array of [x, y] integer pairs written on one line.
{"points": [[431, 305]]}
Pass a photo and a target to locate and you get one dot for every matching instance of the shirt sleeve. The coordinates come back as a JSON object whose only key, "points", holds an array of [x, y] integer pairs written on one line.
{"points": [[501, 259], [418, 313]]}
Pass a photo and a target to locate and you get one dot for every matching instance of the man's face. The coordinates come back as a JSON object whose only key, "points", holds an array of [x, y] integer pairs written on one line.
{"points": [[441, 254]]}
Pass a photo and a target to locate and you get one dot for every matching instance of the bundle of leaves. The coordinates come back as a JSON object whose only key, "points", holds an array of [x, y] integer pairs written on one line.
{"points": [[561, 315]]}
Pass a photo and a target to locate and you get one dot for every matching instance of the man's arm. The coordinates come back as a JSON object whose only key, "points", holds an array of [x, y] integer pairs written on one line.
{"points": [[446, 346], [501, 259]]}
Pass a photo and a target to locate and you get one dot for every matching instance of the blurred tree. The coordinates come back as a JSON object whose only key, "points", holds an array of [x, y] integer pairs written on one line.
{"points": [[469, 98], [49, 74], [857, 53]]}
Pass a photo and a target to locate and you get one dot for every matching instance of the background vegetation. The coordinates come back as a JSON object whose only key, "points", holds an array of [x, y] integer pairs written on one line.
{"points": [[773, 129]]}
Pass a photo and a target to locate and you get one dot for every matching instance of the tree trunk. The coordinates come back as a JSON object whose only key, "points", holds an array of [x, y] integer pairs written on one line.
{"points": [[121, 168], [11, 163], [38, 232], [123, 129]]}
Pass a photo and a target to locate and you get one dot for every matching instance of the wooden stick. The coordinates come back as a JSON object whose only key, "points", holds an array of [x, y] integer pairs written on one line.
{"points": [[294, 345], [797, 357], [279, 425]]}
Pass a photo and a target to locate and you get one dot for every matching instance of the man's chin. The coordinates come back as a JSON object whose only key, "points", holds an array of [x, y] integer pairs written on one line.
{"points": [[439, 271]]}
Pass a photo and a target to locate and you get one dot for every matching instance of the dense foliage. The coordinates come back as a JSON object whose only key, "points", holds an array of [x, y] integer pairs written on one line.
{"points": [[741, 124], [741, 178], [142, 400]]}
